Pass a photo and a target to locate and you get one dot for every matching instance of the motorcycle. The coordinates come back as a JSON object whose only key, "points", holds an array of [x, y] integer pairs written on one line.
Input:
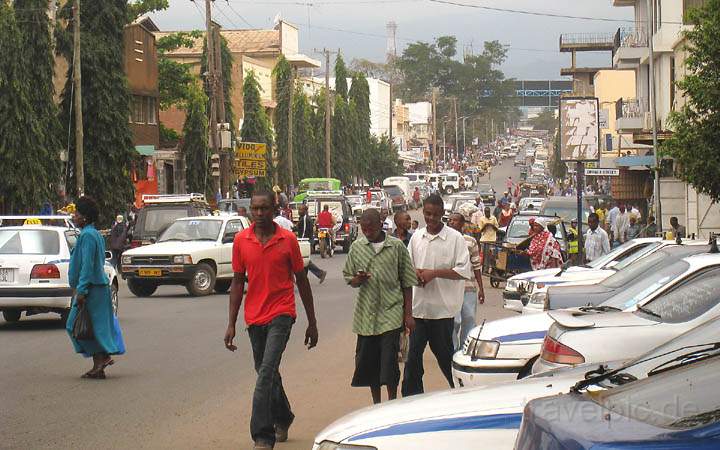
{"points": [[325, 242]]}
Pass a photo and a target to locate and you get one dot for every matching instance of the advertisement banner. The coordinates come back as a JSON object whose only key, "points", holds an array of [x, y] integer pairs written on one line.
{"points": [[579, 129], [250, 159]]}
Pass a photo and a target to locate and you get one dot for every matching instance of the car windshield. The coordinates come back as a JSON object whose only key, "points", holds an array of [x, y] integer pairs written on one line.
{"points": [[484, 188], [625, 254], [356, 200], [393, 191], [29, 242], [233, 205], [644, 264], [157, 218], [565, 212], [192, 230], [692, 404], [641, 287]]}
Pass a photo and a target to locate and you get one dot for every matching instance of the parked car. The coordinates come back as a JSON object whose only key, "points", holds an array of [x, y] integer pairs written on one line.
{"points": [[159, 211], [357, 203], [34, 263], [685, 294], [514, 344], [666, 400], [403, 183], [397, 197], [487, 193], [194, 251], [451, 182]]}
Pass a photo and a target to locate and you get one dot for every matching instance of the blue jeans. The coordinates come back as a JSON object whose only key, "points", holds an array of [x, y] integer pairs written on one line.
{"points": [[270, 405], [465, 319]]}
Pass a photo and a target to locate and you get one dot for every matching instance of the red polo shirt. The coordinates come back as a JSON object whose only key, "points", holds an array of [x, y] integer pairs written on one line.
{"points": [[270, 273]]}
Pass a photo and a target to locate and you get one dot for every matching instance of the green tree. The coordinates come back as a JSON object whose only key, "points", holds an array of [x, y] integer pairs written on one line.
{"points": [[384, 161], [695, 143], [546, 120], [174, 78], [341, 76], [342, 140], [283, 77], [317, 121], [256, 125], [195, 141], [138, 8], [360, 99], [307, 152], [108, 147]]}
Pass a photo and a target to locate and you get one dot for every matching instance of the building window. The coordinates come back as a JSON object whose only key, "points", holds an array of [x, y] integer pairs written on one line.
{"points": [[137, 109], [151, 111]]}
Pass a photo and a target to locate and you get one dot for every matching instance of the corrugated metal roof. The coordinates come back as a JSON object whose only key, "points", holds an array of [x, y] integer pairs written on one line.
{"points": [[239, 41]]}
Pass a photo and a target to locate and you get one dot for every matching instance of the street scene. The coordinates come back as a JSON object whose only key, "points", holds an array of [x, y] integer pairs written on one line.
{"points": [[257, 225]]}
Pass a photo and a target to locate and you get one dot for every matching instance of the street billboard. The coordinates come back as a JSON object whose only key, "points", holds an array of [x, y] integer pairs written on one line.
{"points": [[579, 129], [250, 159]]}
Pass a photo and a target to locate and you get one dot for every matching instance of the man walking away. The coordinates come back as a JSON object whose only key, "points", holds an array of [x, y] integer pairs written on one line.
{"points": [[474, 293], [442, 263], [620, 226], [267, 257], [305, 227], [597, 243], [403, 222], [118, 237], [379, 266]]}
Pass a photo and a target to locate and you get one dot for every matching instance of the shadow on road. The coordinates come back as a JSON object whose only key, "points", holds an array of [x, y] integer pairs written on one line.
{"points": [[33, 325]]}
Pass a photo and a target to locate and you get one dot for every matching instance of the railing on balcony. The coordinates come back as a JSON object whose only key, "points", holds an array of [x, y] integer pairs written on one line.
{"points": [[634, 37], [586, 39], [630, 107]]}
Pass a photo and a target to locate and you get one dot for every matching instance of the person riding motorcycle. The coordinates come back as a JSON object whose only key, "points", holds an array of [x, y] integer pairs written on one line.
{"points": [[326, 220]]}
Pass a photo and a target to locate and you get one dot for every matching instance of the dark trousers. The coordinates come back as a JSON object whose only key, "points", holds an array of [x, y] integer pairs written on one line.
{"points": [[116, 255], [315, 269], [270, 405], [437, 333]]}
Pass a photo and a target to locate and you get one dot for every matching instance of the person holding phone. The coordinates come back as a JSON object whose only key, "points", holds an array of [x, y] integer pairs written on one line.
{"points": [[379, 266]]}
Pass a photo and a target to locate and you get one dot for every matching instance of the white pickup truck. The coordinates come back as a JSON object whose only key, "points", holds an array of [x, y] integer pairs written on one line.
{"points": [[195, 252]]}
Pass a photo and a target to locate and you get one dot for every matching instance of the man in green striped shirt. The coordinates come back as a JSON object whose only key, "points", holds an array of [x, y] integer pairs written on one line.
{"points": [[379, 266]]}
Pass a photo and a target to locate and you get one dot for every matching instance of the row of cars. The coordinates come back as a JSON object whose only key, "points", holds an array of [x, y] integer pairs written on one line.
{"points": [[621, 353]]}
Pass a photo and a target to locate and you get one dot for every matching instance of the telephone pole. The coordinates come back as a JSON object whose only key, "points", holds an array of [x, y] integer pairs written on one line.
{"points": [[434, 127], [77, 98], [327, 112], [454, 99], [220, 102], [210, 77]]}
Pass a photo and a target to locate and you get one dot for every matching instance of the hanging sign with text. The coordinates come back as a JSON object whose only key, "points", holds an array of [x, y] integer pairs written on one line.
{"points": [[250, 159], [602, 172]]}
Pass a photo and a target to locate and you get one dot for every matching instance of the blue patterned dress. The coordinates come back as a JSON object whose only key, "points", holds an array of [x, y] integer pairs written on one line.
{"points": [[87, 276]]}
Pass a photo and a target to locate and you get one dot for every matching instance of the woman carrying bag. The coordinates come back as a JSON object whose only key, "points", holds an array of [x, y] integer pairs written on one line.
{"points": [[92, 299]]}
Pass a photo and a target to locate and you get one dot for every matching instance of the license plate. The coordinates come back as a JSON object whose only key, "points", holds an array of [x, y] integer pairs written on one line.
{"points": [[150, 272], [7, 275]]}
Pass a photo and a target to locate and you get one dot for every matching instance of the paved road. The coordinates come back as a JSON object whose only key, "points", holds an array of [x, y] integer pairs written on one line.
{"points": [[177, 387]]}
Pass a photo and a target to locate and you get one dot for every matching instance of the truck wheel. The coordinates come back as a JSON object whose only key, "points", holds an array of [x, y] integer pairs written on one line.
{"points": [[449, 190], [202, 281], [141, 288], [222, 286], [12, 315]]}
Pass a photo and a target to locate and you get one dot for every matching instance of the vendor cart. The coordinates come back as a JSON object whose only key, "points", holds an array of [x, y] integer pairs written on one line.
{"points": [[502, 261]]}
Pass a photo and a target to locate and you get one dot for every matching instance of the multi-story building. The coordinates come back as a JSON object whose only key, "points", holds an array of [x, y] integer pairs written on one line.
{"points": [[631, 51]]}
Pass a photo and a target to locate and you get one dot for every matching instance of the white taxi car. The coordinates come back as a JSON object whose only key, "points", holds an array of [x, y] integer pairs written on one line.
{"points": [[34, 262], [195, 252]]}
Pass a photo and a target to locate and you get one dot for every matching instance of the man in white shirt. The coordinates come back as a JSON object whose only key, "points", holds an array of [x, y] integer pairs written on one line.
{"points": [[442, 264], [597, 243], [620, 225], [611, 215]]}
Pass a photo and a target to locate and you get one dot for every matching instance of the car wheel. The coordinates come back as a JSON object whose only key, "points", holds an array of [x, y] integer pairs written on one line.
{"points": [[449, 190], [114, 297], [12, 315], [141, 288], [222, 286], [202, 281], [527, 369]]}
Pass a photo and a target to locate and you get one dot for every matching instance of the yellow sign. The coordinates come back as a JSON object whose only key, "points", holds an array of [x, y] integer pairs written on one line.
{"points": [[250, 159]]}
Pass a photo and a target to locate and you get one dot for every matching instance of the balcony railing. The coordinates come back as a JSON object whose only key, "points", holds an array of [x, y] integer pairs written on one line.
{"points": [[635, 37], [586, 39], [630, 107]]}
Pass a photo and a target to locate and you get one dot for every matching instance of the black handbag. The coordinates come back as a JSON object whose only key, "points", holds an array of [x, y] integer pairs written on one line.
{"points": [[82, 328]]}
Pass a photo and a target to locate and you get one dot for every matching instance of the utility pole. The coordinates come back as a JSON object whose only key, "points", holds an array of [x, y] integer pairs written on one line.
{"points": [[77, 98], [220, 102], [327, 112], [390, 133], [653, 118], [434, 127], [456, 127], [463, 130], [211, 80]]}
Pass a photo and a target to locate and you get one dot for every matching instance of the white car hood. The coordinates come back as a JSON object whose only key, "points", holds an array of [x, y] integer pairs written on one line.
{"points": [[170, 248], [534, 273], [517, 328], [496, 406], [575, 277]]}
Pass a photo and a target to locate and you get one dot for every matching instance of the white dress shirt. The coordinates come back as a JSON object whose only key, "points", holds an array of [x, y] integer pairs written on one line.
{"points": [[597, 244], [283, 222], [441, 298], [620, 226]]}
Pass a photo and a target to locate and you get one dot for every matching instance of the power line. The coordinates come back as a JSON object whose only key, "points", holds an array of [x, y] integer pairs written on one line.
{"points": [[217, 7], [202, 14], [238, 14]]}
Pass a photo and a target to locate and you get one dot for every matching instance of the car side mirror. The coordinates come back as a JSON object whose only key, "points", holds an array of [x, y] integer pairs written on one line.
{"points": [[228, 238]]}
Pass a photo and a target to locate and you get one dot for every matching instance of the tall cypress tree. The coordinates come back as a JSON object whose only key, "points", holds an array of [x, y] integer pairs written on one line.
{"points": [[195, 142], [341, 76], [282, 75], [108, 147], [308, 160], [256, 125], [360, 98], [25, 183]]}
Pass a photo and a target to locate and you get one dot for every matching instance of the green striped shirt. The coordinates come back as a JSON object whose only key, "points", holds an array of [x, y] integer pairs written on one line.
{"points": [[379, 306]]}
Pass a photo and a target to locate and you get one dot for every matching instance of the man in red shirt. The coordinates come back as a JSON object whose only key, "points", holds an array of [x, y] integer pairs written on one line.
{"points": [[267, 257], [325, 219]]}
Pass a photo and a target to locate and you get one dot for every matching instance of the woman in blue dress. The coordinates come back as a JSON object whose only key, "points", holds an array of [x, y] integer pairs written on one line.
{"points": [[92, 289]]}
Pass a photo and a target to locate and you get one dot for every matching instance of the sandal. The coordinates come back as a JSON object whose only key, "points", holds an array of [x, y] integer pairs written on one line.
{"points": [[97, 375]]}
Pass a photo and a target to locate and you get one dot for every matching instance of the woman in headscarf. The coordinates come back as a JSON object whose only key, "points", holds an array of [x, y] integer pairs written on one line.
{"points": [[91, 287], [544, 250]]}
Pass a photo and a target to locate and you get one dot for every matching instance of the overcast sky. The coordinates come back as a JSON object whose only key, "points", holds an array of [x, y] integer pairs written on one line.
{"points": [[532, 39]]}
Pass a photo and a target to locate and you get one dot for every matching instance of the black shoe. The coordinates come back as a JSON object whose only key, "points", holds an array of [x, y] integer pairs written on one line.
{"points": [[322, 276]]}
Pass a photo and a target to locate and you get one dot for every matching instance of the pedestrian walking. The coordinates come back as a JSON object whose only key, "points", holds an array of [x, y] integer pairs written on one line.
{"points": [[403, 223], [267, 258], [379, 266], [118, 238], [91, 290], [474, 293], [597, 243], [442, 263], [620, 226], [305, 229]]}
